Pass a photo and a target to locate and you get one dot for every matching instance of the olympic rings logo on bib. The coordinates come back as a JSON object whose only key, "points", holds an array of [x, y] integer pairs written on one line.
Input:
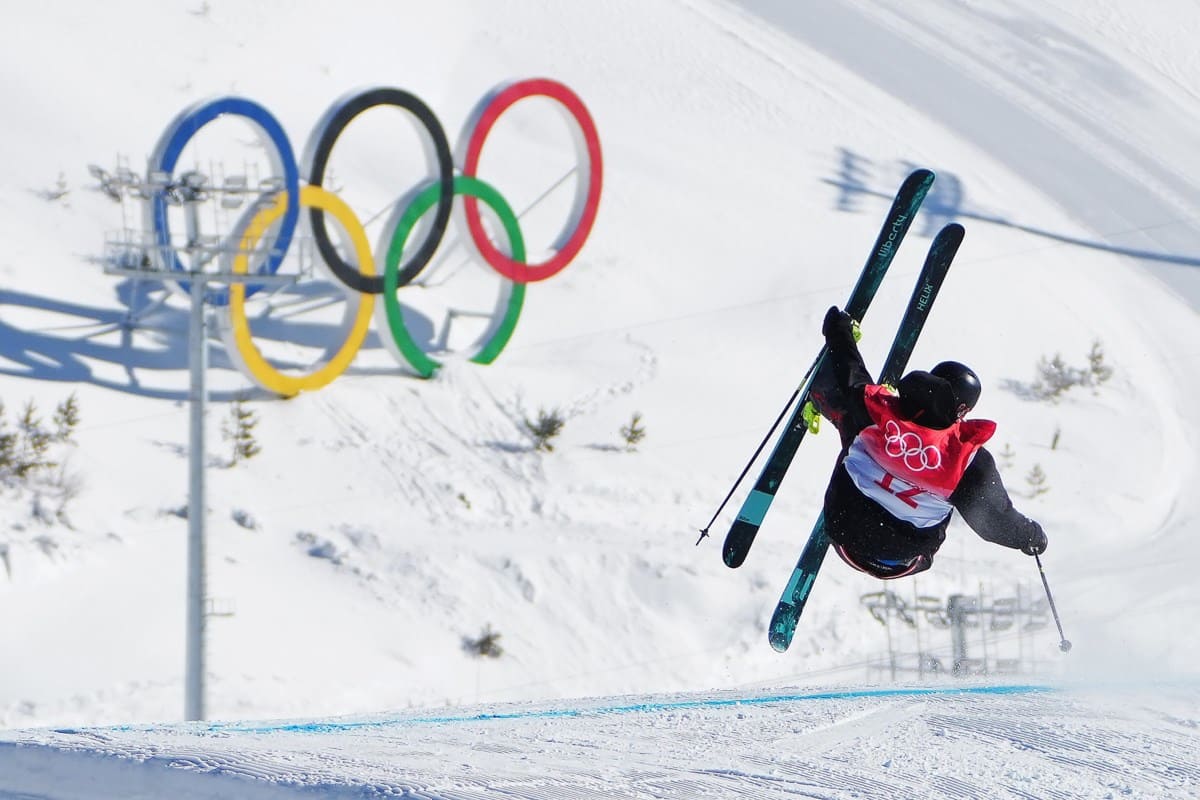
{"points": [[909, 447], [361, 272]]}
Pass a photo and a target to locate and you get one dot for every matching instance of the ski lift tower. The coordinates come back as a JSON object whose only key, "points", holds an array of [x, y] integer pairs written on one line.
{"points": [[192, 264]]}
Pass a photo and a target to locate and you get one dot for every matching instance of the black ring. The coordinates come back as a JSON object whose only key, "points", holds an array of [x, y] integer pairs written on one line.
{"points": [[337, 122]]}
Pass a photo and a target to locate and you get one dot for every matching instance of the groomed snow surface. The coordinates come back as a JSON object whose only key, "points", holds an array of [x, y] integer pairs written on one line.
{"points": [[1023, 741], [750, 149]]}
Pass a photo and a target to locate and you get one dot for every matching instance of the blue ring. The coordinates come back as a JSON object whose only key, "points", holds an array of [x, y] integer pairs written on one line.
{"points": [[178, 135]]}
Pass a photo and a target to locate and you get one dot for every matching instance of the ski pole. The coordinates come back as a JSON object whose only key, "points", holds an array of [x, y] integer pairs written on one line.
{"points": [[1063, 645], [762, 444]]}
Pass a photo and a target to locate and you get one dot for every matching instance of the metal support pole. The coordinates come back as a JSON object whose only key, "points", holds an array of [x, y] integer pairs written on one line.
{"points": [[985, 617], [917, 627], [891, 648], [198, 357], [956, 609], [140, 258], [1020, 628]]}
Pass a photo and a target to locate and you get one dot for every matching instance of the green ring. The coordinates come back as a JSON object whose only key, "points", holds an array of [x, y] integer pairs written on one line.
{"points": [[472, 187]]}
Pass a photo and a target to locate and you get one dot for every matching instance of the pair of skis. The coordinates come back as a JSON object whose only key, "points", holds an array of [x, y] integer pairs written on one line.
{"points": [[937, 263], [742, 533]]}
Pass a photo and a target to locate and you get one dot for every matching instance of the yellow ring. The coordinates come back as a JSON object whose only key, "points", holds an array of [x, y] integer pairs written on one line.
{"points": [[260, 369]]}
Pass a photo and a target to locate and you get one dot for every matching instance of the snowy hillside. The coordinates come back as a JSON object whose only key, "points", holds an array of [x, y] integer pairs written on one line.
{"points": [[749, 155]]}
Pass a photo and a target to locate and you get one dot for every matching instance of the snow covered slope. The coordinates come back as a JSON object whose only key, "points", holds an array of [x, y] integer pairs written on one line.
{"points": [[938, 742], [746, 167]]}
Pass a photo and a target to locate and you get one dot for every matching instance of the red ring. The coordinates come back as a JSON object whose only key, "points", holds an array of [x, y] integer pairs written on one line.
{"points": [[514, 270]]}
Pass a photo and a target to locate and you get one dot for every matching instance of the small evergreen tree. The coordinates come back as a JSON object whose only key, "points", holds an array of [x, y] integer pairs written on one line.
{"points": [[25, 449], [1098, 372], [487, 645], [239, 431], [1008, 456], [1055, 377], [33, 443], [633, 433], [66, 419], [1037, 480], [549, 425], [8, 447]]}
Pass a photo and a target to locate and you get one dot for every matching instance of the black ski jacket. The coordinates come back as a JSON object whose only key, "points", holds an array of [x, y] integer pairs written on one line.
{"points": [[871, 535]]}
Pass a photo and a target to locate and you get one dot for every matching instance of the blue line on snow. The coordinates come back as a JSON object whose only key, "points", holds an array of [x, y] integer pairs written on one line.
{"points": [[633, 708]]}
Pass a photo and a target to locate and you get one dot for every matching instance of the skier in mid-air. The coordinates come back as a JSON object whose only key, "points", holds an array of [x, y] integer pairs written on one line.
{"points": [[909, 458]]}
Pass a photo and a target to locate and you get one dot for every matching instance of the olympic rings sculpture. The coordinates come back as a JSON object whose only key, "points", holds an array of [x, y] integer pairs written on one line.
{"points": [[362, 272]]}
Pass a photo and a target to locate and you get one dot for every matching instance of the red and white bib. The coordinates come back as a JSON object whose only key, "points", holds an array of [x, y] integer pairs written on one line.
{"points": [[910, 470]]}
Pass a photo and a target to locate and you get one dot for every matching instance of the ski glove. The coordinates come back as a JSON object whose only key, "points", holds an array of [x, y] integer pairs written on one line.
{"points": [[1036, 544], [838, 324]]}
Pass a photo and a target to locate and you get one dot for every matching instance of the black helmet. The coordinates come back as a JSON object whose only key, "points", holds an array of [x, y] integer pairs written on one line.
{"points": [[963, 381]]}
